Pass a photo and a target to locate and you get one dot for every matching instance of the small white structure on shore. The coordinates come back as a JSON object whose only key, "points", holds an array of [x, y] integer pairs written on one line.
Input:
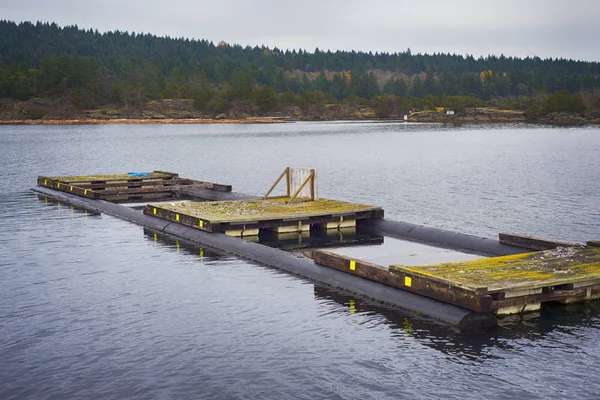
{"points": [[449, 112]]}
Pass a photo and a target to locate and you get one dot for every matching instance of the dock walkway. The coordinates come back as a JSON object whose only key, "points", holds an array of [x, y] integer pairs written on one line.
{"points": [[156, 185], [248, 217], [502, 285]]}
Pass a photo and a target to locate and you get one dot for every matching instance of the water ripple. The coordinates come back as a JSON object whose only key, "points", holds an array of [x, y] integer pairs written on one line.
{"points": [[95, 307]]}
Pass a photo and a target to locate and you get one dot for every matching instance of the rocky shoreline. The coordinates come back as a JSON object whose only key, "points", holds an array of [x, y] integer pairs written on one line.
{"points": [[488, 115], [47, 112], [92, 121]]}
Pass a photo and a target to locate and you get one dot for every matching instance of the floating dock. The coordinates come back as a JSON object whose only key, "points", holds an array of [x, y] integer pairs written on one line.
{"points": [[130, 187], [462, 293], [500, 285], [286, 261], [248, 217]]}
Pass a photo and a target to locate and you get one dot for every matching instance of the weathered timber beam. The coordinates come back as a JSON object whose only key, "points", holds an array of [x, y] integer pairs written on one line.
{"points": [[441, 237], [533, 242], [475, 300]]}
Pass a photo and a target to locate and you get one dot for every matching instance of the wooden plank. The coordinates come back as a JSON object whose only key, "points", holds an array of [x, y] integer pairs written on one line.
{"points": [[139, 198], [298, 183], [264, 210], [355, 266], [148, 189], [472, 299], [285, 172], [475, 299], [49, 183], [163, 183], [183, 219], [310, 177], [414, 271], [579, 266], [122, 188], [563, 296], [138, 183], [288, 182], [114, 178], [537, 286], [533, 242], [172, 174]]}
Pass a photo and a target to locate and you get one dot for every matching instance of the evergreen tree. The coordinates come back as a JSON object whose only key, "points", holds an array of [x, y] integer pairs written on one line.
{"points": [[92, 68]]}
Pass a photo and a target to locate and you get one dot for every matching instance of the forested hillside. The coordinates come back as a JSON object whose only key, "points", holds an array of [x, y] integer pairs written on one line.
{"points": [[91, 69]]}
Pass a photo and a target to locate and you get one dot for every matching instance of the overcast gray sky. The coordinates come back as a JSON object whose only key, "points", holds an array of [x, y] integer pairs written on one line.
{"points": [[552, 28]]}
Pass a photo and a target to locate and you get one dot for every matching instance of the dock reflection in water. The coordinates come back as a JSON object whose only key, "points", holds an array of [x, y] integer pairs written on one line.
{"points": [[49, 201], [556, 318], [205, 255], [319, 238]]}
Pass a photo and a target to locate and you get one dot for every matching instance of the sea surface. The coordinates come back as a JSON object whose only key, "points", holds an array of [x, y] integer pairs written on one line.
{"points": [[93, 307]]}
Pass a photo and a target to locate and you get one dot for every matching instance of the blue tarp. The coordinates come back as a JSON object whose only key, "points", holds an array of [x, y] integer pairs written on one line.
{"points": [[139, 173]]}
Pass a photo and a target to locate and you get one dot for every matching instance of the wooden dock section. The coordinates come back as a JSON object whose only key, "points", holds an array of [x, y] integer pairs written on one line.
{"points": [[501, 285], [248, 217], [156, 185], [532, 242]]}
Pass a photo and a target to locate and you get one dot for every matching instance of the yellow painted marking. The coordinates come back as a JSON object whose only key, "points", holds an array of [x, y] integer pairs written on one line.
{"points": [[154, 212], [407, 281], [45, 183], [352, 305], [70, 188], [201, 224], [58, 185], [177, 245], [177, 217], [201, 252], [85, 213], [155, 237], [85, 192], [352, 265]]}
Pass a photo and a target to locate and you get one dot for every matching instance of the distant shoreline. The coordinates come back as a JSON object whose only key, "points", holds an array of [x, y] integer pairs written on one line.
{"points": [[472, 116], [141, 121]]}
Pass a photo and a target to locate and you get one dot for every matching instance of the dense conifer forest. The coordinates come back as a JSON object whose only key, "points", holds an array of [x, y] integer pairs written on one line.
{"points": [[89, 70]]}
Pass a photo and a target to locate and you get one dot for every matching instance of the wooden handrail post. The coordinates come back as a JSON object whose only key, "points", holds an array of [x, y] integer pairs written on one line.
{"points": [[285, 171], [288, 179], [312, 185]]}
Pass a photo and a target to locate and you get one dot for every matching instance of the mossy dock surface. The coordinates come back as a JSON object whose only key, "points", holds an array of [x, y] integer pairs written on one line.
{"points": [[264, 209], [564, 265], [114, 177], [246, 217], [502, 285], [127, 187]]}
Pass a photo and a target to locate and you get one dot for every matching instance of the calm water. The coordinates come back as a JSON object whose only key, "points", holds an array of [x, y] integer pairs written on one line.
{"points": [[92, 307]]}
